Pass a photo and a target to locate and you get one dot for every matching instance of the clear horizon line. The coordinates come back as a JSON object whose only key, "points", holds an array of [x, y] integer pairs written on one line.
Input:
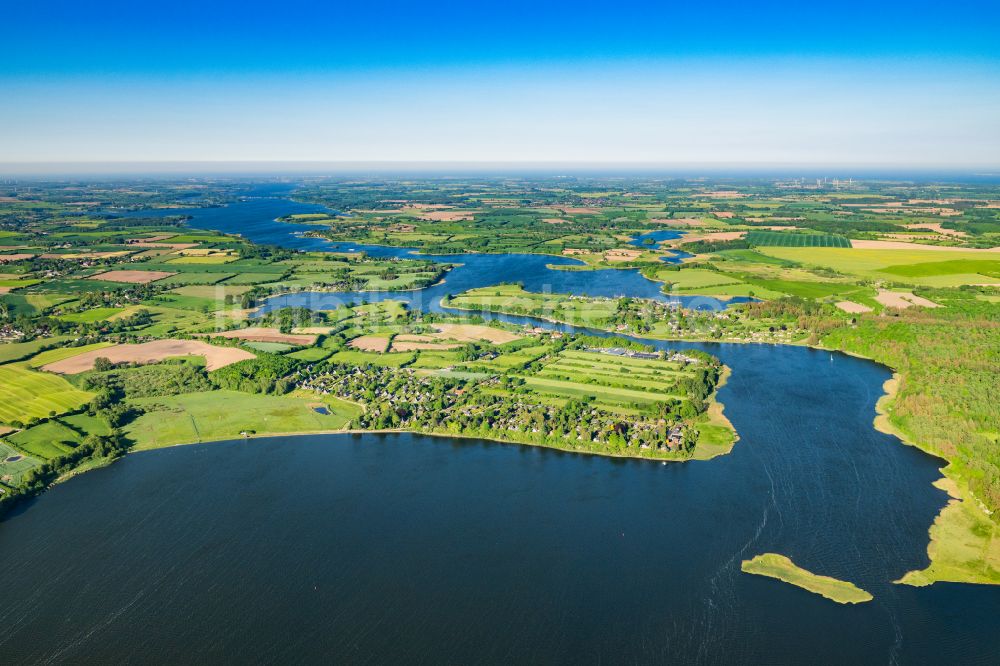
{"points": [[439, 161], [298, 167]]}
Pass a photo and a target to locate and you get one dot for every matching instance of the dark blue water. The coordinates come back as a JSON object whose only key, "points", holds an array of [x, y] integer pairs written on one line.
{"points": [[658, 237], [388, 549]]}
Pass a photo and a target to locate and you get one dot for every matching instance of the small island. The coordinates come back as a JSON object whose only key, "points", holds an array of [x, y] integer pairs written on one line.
{"points": [[778, 566]]}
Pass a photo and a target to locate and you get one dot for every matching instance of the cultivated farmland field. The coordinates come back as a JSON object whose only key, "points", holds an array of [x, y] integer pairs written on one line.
{"points": [[780, 239], [29, 394], [150, 352], [91, 315], [18, 351], [937, 267], [611, 380]]}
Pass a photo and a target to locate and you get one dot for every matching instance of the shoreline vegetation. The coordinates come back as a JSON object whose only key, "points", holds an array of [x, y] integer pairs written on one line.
{"points": [[780, 567]]}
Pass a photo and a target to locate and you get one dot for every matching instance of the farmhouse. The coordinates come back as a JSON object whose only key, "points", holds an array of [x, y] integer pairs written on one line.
{"points": [[678, 357]]}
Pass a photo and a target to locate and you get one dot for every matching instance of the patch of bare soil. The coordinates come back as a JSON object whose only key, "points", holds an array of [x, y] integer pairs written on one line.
{"points": [[902, 299], [372, 343], [131, 277], [151, 352]]}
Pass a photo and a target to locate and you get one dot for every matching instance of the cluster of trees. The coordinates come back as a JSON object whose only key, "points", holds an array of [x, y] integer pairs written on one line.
{"points": [[707, 246], [638, 316], [802, 313], [268, 373], [286, 319], [270, 253], [697, 385], [134, 293], [147, 380]]}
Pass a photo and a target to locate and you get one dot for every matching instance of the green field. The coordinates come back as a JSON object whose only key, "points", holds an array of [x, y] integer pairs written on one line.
{"points": [[611, 380], [218, 415], [92, 315], [312, 217], [17, 284], [249, 278], [916, 266], [12, 472], [17, 351], [53, 355], [522, 356], [435, 359], [29, 394], [214, 292], [782, 239], [811, 290], [46, 440], [310, 354], [753, 257], [212, 259], [734, 290], [606, 395], [167, 320], [695, 278], [92, 425], [986, 267]]}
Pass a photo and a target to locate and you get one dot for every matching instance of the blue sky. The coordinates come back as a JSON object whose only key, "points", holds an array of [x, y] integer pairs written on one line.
{"points": [[893, 83]]}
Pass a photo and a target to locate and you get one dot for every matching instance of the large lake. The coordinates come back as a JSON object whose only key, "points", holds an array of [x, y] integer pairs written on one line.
{"points": [[404, 548]]}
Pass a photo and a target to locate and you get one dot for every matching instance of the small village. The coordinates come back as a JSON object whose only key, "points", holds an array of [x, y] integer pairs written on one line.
{"points": [[500, 408]]}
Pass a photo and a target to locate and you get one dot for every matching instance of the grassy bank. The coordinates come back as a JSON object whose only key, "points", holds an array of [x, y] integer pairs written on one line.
{"points": [[773, 565], [219, 415], [716, 434]]}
